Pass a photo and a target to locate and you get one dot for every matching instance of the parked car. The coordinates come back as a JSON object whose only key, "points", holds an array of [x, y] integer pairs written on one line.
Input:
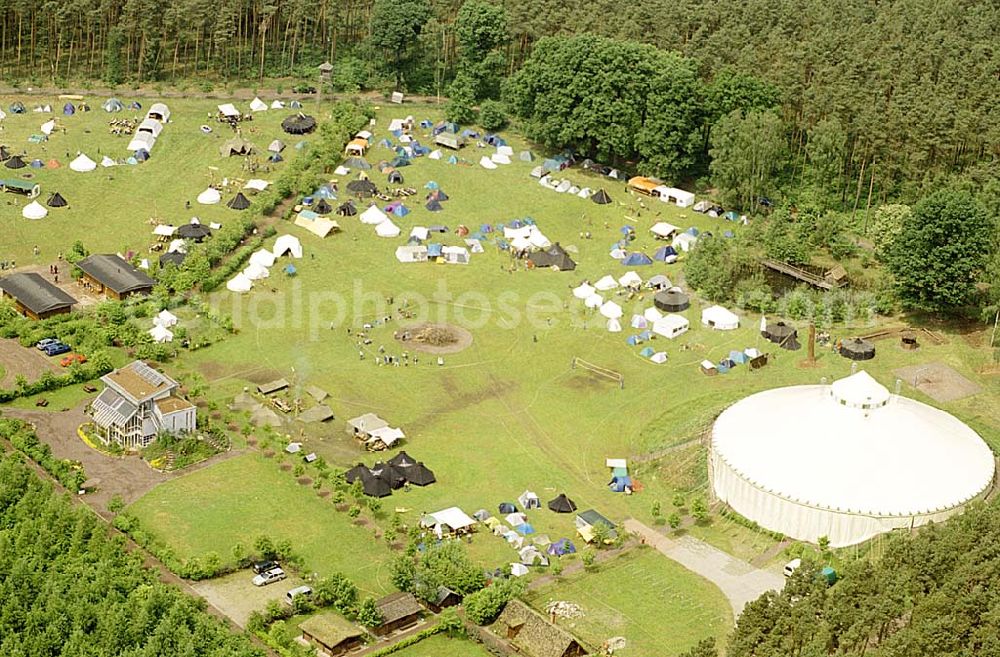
{"points": [[296, 592], [269, 577], [41, 344], [73, 359], [56, 349], [304, 89], [264, 566]]}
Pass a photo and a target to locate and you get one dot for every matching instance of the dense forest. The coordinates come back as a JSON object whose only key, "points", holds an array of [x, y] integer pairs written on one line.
{"points": [[69, 590]]}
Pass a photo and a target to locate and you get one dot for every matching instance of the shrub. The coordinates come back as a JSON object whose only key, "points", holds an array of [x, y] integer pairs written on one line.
{"points": [[492, 115]]}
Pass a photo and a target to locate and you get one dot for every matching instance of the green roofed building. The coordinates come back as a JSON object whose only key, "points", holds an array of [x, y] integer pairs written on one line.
{"points": [[331, 633], [16, 186]]}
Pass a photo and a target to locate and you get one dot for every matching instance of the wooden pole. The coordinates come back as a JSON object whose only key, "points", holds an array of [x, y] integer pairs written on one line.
{"points": [[812, 343]]}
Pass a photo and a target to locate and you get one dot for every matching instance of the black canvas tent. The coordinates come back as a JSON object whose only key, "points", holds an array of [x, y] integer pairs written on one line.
{"points": [[782, 334], [56, 201], [671, 301], [322, 207], [196, 232], [601, 197], [347, 209], [396, 178], [554, 256], [173, 258], [419, 475], [562, 504], [359, 163], [389, 474], [298, 124], [434, 206], [15, 163], [372, 485], [362, 187], [402, 460], [857, 349], [238, 202]]}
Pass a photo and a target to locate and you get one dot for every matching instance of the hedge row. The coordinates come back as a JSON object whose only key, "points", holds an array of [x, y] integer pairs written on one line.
{"points": [[23, 437]]}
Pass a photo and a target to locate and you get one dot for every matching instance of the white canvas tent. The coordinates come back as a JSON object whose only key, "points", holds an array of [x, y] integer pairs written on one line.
{"points": [[684, 242], [262, 257], [455, 255], [505, 150], [719, 318], [679, 197], [277, 104], [82, 164], [256, 272], [107, 162], [152, 126], [161, 334], [229, 110], [287, 244], [611, 310], [499, 158], [420, 232], [664, 230], [411, 253], [435, 154], [316, 224], [34, 210], [158, 112], [387, 229], [256, 184], [652, 314], [487, 163], [373, 216], [48, 127], [583, 291], [659, 357], [210, 196], [630, 279], [671, 326], [165, 318], [594, 301], [606, 283], [239, 283], [141, 140], [475, 246], [164, 230], [614, 326], [257, 105], [529, 500]]}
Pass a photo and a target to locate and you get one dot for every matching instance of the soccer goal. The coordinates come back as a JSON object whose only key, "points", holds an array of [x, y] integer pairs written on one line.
{"points": [[598, 370]]}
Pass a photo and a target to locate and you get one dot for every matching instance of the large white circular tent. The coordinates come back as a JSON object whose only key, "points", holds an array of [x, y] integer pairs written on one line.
{"points": [[847, 461]]}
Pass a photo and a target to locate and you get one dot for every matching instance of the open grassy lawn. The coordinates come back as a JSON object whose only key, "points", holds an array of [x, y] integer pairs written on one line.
{"points": [[248, 496], [109, 207], [441, 646], [655, 604]]}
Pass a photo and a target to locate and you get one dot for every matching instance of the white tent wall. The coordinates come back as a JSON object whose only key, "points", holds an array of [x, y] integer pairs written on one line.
{"points": [[802, 521]]}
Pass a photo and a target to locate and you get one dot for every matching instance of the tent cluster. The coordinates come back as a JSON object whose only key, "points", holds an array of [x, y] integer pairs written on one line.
{"points": [[502, 156], [655, 188], [716, 211], [148, 131], [514, 527], [564, 186], [261, 262], [522, 237], [382, 478], [162, 323], [749, 356]]}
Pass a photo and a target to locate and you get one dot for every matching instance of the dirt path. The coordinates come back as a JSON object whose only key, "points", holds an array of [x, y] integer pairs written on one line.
{"points": [[27, 361], [739, 581], [577, 566]]}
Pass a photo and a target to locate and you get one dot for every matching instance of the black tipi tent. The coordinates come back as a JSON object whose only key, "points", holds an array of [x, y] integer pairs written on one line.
{"points": [[196, 232], [389, 474], [56, 201], [783, 335], [298, 124], [562, 504], [347, 209], [362, 187], [402, 460], [554, 256], [601, 197], [173, 258], [419, 475], [238, 202], [322, 207], [15, 163], [434, 206], [4, 154]]}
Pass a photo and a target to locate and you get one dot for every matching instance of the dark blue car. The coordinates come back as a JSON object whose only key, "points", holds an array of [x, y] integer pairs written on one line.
{"points": [[56, 349]]}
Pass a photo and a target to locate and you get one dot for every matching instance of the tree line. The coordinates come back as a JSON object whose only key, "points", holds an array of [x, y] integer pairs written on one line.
{"points": [[70, 590]]}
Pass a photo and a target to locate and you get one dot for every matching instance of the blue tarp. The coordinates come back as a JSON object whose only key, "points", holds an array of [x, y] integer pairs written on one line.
{"points": [[524, 529], [637, 259], [400, 210], [309, 214], [471, 134], [433, 251], [619, 484], [738, 356]]}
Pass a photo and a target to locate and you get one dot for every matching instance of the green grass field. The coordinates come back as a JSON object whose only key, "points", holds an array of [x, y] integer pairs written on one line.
{"points": [[506, 414], [655, 604], [442, 646]]}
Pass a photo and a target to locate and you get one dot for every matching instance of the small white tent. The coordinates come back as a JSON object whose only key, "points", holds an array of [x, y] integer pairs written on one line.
{"points": [[500, 158], [614, 326], [583, 291], [387, 229], [34, 210], [606, 283], [256, 184], [684, 242], [48, 127], [257, 105], [141, 140], [373, 216], [165, 318], [593, 301], [670, 326], [239, 283], [651, 314], [487, 163], [287, 244], [82, 164], [611, 310], [210, 196], [229, 110], [158, 112], [277, 104], [262, 257], [719, 318], [659, 357], [161, 334], [412, 253], [630, 279], [256, 272], [107, 162], [435, 154], [664, 230]]}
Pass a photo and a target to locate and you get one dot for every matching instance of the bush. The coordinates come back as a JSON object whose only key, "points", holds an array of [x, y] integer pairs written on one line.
{"points": [[492, 115], [483, 606]]}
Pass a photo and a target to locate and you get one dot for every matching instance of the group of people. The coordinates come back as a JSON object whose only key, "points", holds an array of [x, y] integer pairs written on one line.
{"points": [[119, 127]]}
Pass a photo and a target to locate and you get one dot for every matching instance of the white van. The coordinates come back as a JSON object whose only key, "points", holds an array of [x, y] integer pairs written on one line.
{"points": [[296, 592]]}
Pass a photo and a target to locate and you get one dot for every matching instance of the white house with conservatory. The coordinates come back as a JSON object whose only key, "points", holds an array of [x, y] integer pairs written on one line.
{"points": [[137, 404]]}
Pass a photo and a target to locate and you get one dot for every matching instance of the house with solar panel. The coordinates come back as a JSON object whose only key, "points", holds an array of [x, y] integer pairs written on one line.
{"points": [[138, 404]]}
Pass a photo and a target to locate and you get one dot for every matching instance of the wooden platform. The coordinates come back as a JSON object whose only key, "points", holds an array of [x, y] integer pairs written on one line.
{"points": [[802, 275]]}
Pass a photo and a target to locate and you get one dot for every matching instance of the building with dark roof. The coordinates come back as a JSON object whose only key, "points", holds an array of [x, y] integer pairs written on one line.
{"points": [[398, 610], [111, 276], [34, 296], [137, 405], [533, 635]]}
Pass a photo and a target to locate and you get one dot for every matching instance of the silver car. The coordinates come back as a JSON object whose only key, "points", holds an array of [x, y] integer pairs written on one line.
{"points": [[269, 577]]}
